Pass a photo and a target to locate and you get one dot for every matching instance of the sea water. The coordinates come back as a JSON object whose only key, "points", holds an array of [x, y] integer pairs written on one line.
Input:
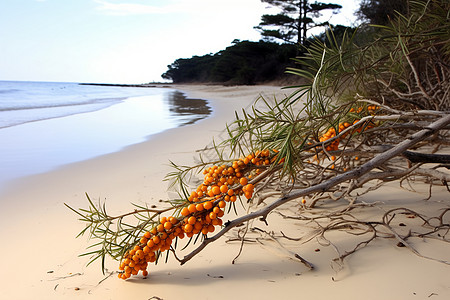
{"points": [[44, 125]]}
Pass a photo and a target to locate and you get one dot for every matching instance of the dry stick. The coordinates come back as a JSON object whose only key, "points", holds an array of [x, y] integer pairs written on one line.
{"points": [[407, 245], [324, 186], [289, 253]]}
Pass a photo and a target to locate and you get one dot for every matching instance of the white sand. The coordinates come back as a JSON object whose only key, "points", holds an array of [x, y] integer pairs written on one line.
{"points": [[40, 253]]}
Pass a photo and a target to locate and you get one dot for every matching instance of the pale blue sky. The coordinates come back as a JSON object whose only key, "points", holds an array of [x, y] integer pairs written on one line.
{"points": [[121, 41]]}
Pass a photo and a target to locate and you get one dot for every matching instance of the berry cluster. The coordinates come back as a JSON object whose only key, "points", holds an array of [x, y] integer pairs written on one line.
{"points": [[331, 132], [201, 212]]}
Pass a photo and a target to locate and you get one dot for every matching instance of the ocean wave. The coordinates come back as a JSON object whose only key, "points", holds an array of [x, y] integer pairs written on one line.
{"points": [[54, 105]]}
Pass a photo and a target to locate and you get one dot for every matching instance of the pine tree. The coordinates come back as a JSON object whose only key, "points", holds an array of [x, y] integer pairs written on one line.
{"points": [[294, 20]]}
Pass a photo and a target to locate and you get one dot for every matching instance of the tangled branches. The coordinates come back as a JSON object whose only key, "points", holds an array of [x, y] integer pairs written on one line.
{"points": [[391, 225], [368, 115]]}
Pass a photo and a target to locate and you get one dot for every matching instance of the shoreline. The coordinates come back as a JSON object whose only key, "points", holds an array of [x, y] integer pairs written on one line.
{"points": [[221, 114], [144, 85], [41, 253], [42, 145]]}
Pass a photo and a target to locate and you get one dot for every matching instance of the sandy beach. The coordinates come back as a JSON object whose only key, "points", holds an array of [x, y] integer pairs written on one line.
{"points": [[40, 252]]}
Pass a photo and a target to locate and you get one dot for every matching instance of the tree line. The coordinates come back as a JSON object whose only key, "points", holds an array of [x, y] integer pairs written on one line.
{"points": [[284, 37]]}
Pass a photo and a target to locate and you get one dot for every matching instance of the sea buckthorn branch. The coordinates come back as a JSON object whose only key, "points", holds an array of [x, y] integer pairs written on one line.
{"points": [[194, 216], [202, 211], [197, 214], [377, 161], [336, 72]]}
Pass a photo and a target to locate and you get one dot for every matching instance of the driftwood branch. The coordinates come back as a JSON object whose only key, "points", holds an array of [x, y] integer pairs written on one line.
{"points": [[325, 186]]}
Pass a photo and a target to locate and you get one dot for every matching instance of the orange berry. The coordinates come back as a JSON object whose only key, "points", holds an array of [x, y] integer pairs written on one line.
{"points": [[145, 273], [230, 192], [147, 235], [207, 219], [250, 187], [224, 188], [216, 190], [243, 181], [192, 208], [188, 228], [185, 211], [198, 225], [194, 194], [160, 228], [212, 215], [150, 243], [192, 220], [208, 205], [222, 204], [156, 239], [216, 210], [199, 207], [140, 254], [167, 225]]}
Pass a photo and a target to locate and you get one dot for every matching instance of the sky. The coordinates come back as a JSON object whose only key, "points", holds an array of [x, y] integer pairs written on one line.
{"points": [[122, 41]]}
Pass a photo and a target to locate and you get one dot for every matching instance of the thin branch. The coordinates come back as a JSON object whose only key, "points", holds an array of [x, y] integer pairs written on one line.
{"points": [[377, 161]]}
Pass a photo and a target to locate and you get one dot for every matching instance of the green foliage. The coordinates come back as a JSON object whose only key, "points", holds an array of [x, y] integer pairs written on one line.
{"points": [[242, 63], [405, 65], [115, 235]]}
